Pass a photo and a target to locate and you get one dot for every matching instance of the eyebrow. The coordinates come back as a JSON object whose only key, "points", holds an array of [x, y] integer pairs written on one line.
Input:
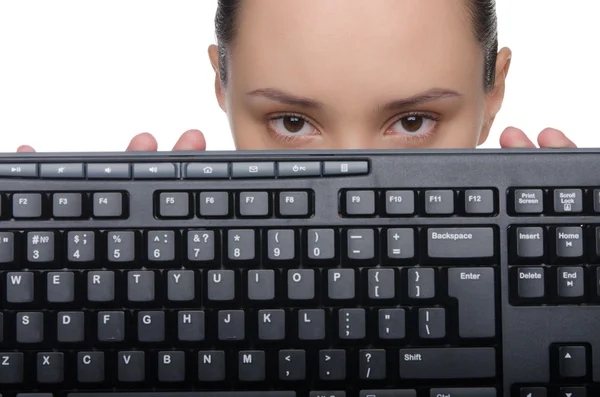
{"points": [[293, 100]]}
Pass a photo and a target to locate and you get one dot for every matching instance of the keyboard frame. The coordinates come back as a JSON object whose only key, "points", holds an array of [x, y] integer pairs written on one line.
{"points": [[527, 332]]}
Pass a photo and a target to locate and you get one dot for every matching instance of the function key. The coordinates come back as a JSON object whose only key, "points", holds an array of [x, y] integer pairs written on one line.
{"points": [[439, 202], [62, 171], [360, 202], [174, 204], [300, 169], [214, 204], [346, 168], [19, 170], [108, 205], [294, 204], [479, 202], [206, 171], [254, 204], [27, 205], [568, 201], [155, 171], [108, 171], [67, 205], [253, 170], [529, 201], [400, 202]]}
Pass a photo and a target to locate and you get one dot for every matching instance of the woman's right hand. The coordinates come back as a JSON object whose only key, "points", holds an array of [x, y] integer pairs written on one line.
{"points": [[145, 142]]}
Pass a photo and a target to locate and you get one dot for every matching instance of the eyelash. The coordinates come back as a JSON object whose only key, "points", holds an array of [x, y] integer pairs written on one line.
{"points": [[416, 137], [407, 137]]}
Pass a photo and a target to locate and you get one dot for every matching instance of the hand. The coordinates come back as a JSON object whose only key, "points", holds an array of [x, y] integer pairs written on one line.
{"points": [[547, 139], [190, 140]]}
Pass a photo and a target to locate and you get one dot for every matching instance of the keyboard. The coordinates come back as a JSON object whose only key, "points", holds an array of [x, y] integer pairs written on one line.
{"points": [[300, 274]]}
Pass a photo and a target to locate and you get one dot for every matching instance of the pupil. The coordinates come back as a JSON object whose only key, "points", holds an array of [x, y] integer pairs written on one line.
{"points": [[293, 123], [412, 123]]}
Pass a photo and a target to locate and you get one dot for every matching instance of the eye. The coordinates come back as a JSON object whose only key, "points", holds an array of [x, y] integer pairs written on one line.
{"points": [[291, 125], [414, 124]]}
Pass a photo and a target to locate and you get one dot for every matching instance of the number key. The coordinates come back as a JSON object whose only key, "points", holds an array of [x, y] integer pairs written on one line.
{"points": [[241, 245], [80, 246], [281, 245], [201, 245], [121, 246], [161, 246]]}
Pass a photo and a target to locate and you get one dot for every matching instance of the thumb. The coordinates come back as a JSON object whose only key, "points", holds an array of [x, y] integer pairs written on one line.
{"points": [[25, 149]]}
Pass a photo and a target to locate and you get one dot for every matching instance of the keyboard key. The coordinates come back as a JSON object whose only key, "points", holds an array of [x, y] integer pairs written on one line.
{"points": [[432, 323], [60, 287], [40, 246], [254, 204], [399, 202], [372, 364], [281, 245], [221, 285], [439, 202], [251, 366], [298, 169], [20, 287], [339, 168], [475, 290], [534, 392], [531, 282], [191, 326], [161, 246], [50, 367], [174, 205], [62, 171], [171, 366], [360, 202], [108, 171], [91, 367], [201, 246], [568, 200], [19, 170], [271, 325], [253, 170], [206, 171], [131, 366], [30, 327], [449, 243], [232, 325], [479, 202], [421, 283], [241, 245], [332, 364], [391, 393], [27, 205], [192, 393], [111, 326], [156, 171], [214, 204], [572, 392], [211, 368], [121, 246], [67, 205], [108, 205], [381, 284], [572, 361], [292, 365], [571, 282], [81, 246], [294, 204], [151, 326], [569, 242], [361, 244], [447, 363], [392, 324], [7, 247], [321, 244], [12, 368], [528, 201], [401, 243], [464, 392], [530, 242], [70, 327]]}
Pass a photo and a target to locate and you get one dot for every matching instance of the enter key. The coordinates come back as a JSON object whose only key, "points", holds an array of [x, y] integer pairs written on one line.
{"points": [[475, 291]]}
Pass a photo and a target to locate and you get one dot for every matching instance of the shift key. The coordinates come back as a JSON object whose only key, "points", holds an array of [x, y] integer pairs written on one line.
{"points": [[463, 242], [448, 363]]}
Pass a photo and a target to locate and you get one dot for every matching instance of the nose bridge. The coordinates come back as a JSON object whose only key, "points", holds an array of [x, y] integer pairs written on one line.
{"points": [[353, 133]]}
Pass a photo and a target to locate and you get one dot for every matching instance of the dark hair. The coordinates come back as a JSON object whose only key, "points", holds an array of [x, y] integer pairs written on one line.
{"points": [[482, 13]]}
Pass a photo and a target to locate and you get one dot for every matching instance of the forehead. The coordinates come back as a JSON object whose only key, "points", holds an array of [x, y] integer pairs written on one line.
{"points": [[419, 43]]}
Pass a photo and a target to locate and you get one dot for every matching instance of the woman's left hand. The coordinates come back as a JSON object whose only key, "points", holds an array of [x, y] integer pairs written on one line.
{"points": [[547, 139]]}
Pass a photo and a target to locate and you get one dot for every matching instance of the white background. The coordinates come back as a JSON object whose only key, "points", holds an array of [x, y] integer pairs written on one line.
{"points": [[88, 75]]}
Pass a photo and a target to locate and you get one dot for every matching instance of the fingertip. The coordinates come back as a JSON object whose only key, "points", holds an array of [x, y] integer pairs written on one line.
{"points": [[143, 142], [25, 149], [515, 138], [191, 140], [552, 138]]}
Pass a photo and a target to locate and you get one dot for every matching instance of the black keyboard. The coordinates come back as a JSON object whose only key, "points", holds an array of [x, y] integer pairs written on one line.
{"points": [[289, 274]]}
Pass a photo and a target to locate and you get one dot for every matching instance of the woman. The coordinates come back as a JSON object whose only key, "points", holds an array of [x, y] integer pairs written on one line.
{"points": [[358, 74]]}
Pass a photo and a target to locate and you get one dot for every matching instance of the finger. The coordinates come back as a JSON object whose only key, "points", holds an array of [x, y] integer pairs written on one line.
{"points": [[551, 138], [191, 140], [25, 149], [514, 138], [143, 143]]}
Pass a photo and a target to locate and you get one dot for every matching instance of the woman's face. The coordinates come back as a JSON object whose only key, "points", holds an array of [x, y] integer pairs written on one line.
{"points": [[357, 74]]}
